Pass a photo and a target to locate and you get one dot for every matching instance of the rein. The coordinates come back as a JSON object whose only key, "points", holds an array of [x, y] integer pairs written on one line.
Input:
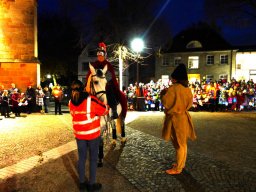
{"points": [[93, 91], [101, 77], [100, 92]]}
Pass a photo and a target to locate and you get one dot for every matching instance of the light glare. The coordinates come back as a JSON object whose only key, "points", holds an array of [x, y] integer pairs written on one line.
{"points": [[137, 45]]}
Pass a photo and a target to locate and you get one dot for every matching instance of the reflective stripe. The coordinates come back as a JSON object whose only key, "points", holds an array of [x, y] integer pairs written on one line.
{"points": [[87, 132], [80, 112], [88, 108], [86, 121], [87, 113]]}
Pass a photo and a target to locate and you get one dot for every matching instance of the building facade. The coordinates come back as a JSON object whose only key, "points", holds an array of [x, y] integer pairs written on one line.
{"points": [[18, 44], [207, 57], [211, 65]]}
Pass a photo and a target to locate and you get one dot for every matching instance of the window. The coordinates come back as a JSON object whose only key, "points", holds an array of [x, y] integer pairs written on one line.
{"points": [[177, 61], [165, 79], [209, 59], [194, 44], [209, 78], [223, 76], [166, 61], [223, 59], [193, 62], [238, 66], [85, 66]]}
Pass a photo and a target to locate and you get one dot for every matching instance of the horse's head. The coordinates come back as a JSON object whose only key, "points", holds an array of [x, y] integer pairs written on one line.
{"points": [[98, 80]]}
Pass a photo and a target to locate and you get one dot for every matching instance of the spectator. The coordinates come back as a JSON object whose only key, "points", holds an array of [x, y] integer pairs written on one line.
{"points": [[15, 102], [85, 110], [31, 98], [5, 104], [47, 95], [58, 96], [40, 98]]}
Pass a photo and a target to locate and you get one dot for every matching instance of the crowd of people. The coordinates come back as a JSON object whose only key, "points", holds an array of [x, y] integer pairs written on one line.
{"points": [[218, 95], [14, 101]]}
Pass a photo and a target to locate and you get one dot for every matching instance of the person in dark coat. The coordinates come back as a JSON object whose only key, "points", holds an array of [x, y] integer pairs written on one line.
{"points": [[5, 104], [31, 98], [58, 96], [47, 95]]}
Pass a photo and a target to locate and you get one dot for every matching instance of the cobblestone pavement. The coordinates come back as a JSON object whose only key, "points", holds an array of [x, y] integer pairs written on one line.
{"points": [[145, 158], [222, 158]]}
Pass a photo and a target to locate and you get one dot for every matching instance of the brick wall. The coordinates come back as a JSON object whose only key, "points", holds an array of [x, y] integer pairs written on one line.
{"points": [[18, 43]]}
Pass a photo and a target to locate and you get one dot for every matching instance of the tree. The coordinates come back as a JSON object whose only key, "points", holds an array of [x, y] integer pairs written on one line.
{"points": [[84, 22], [57, 40], [126, 19]]}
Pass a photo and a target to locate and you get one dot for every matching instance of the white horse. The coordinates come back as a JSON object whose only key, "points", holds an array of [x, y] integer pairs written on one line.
{"points": [[98, 84]]}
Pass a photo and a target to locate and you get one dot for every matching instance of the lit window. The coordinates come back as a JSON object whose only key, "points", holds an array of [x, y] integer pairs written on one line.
{"points": [[165, 79], [209, 59], [166, 61], [177, 61], [193, 62], [209, 77], [223, 76], [252, 72], [223, 59], [194, 44]]}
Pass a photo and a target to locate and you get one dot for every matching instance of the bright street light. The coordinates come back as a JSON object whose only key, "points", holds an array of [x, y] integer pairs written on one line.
{"points": [[48, 76], [120, 68], [137, 45]]}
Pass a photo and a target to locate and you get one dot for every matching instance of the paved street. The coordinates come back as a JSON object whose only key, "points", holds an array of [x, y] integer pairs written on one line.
{"points": [[221, 159]]}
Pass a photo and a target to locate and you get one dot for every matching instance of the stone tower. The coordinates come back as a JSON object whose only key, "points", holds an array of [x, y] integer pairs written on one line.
{"points": [[18, 44]]}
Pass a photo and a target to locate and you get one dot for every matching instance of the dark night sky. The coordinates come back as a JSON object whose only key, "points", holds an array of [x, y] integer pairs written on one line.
{"points": [[179, 19]]}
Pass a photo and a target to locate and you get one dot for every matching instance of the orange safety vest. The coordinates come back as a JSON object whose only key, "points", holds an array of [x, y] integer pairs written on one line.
{"points": [[86, 120]]}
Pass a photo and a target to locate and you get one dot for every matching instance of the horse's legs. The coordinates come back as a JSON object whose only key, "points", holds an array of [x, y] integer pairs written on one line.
{"points": [[123, 140], [101, 153], [122, 127], [114, 135]]}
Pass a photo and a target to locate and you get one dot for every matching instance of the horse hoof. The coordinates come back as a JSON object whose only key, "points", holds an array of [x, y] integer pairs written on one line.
{"points": [[113, 143], [100, 164], [123, 140]]}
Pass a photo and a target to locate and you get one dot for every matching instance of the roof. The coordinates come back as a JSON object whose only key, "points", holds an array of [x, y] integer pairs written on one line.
{"points": [[198, 34]]}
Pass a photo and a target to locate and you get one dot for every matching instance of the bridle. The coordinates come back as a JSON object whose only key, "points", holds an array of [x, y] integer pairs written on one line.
{"points": [[100, 75]]}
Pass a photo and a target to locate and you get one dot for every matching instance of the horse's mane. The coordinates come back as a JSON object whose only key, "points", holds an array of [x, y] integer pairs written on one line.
{"points": [[88, 85]]}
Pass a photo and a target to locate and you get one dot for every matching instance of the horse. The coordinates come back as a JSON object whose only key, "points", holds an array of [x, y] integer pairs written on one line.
{"points": [[98, 81]]}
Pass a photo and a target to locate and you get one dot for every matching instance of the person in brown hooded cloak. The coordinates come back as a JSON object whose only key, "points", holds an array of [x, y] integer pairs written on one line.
{"points": [[178, 126]]}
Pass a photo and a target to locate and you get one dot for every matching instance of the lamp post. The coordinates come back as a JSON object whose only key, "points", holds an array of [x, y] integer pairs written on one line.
{"points": [[120, 68], [137, 45]]}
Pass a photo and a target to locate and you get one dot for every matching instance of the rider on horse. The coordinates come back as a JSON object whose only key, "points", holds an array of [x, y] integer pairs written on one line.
{"points": [[112, 88]]}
